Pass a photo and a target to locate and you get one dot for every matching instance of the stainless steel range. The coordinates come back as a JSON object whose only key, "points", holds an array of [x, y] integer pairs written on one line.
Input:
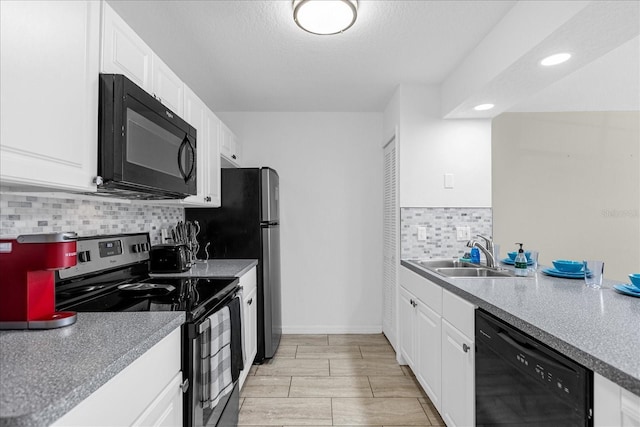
{"points": [[112, 275]]}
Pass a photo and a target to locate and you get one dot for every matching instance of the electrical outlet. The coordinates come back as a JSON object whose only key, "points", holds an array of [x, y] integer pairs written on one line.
{"points": [[463, 233], [422, 233], [449, 181]]}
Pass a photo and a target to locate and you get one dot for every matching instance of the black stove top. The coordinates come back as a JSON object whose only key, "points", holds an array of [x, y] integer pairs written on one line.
{"points": [[194, 296], [119, 281]]}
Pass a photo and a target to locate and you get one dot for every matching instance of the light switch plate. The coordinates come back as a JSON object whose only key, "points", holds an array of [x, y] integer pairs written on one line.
{"points": [[422, 233], [463, 233]]}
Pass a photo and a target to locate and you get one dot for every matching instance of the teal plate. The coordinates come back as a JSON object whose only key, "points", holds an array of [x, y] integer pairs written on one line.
{"points": [[627, 290]]}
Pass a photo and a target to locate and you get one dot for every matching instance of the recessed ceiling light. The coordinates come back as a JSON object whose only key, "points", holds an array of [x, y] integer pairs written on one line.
{"points": [[483, 107], [325, 17], [556, 59]]}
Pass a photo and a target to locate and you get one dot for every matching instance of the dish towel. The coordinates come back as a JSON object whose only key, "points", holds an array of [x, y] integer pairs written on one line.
{"points": [[219, 375], [237, 358]]}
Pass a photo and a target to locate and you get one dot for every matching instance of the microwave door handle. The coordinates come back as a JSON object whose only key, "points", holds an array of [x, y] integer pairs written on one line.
{"points": [[180, 151], [193, 160]]}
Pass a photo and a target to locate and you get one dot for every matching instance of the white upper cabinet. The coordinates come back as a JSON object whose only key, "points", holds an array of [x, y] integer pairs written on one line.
{"points": [[200, 117], [230, 147], [49, 59], [167, 86], [123, 51]]}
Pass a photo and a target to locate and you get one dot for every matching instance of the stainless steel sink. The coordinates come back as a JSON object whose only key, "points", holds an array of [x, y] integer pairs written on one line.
{"points": [[457, 268], [473, 272], [433, 264]]}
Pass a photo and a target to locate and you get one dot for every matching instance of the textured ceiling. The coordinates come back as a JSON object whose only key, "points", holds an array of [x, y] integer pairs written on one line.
{"points": [[250, 56]]}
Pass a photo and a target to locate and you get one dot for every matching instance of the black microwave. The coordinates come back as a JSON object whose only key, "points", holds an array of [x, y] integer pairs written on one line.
{"points": [[145, 151]]}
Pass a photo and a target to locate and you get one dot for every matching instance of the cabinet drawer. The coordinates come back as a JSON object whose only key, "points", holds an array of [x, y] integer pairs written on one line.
{"points": [[425, 290], [459, 313]]}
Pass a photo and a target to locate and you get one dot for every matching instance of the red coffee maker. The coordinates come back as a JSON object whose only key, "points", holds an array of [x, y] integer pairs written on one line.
{"points": [[27, 282]]}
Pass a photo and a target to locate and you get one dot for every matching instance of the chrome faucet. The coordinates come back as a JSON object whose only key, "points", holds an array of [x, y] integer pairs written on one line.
{"points": [[487, 251]]}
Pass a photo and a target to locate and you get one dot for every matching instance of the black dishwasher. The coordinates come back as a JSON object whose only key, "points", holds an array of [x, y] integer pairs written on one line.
{"points": [[522, 382]]}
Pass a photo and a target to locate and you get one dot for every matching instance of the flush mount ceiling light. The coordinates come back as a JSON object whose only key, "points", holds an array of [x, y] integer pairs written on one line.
{"points": [[483, 107], [556, 59], [325, 17]]}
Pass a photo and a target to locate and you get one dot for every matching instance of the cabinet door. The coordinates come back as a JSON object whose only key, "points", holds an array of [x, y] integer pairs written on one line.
{"points": [[458, 381], [167, 86], [123, 51], [251, 327], [406, 316], [429, 346], [213, 196], [49, 60], [194, 114], [249, 285], [122, 399], [228, 146], [629, 408], [166, 409]]}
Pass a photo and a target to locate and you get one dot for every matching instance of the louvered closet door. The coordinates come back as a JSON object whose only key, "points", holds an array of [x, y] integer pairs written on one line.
{"points": [[390, 238]]}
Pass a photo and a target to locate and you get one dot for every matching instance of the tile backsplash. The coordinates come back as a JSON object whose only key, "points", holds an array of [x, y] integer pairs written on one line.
{"points": [[441, 226], [25, 214]]}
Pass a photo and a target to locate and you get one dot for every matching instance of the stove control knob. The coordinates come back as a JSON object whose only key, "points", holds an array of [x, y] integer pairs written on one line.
{"points": [[84, 256], [135, 248]]}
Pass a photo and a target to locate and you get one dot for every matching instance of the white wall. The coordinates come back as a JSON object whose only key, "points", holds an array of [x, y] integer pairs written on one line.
{"points": [[568, 184], [431, 147], [330, 167]]}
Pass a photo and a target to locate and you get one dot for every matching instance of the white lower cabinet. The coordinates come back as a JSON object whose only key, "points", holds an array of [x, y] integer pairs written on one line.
{"points": [[613, 405], [147, 392], [249, 285], [436, 330], [166, 409], [457, 407], [407, 319], [429, 351]]}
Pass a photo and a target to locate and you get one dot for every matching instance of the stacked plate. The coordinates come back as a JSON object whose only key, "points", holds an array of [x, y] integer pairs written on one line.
{"points": [[509, 261], [566, 269], [628, 290], [632, 289], [564, 274]]}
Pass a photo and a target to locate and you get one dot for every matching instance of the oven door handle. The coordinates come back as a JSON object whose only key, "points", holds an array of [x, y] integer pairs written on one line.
{"points": [[532, 352], [205, 362]]}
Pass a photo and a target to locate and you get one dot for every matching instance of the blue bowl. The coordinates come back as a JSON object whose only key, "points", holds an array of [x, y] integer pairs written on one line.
{"points": [[635, 279], [513, 255], [567, 266]]}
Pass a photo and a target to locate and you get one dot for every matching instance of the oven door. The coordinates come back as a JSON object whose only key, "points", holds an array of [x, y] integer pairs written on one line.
{"points": [[143, 145], [197, 401]]}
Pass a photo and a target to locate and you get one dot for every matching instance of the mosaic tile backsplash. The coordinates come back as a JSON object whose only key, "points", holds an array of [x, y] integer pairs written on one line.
{"points": [[441, 226], [21, 214]]}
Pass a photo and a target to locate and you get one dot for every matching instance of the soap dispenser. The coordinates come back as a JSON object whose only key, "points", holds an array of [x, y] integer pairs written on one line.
{"points": [[521, 262]]}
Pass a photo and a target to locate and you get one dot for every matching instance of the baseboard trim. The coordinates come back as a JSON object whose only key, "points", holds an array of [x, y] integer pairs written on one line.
{"points": [[323, 329]]}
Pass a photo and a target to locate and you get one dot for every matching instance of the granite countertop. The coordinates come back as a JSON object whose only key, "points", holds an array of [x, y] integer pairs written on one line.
{"points": [[598, 328], [216, 268], [44, 374]]}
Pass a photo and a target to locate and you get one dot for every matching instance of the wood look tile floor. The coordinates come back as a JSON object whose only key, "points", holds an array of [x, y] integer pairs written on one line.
{"points": [[340, 380]]}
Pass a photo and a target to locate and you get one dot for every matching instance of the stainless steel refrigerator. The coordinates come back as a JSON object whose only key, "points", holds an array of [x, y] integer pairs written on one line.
{"points": [[247, 225]]}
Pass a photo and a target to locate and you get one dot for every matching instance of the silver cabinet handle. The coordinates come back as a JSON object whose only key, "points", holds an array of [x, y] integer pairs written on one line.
{"points": [[466, 348]]}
